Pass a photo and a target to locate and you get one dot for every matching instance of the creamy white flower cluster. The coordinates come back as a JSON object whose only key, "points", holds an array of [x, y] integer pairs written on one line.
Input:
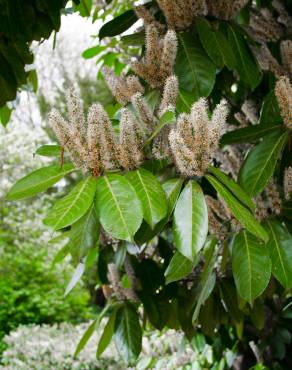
{"points": [[196, 138]]}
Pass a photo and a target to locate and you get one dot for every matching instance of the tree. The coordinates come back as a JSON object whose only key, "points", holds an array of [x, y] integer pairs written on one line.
{"points": [[183, 198]]}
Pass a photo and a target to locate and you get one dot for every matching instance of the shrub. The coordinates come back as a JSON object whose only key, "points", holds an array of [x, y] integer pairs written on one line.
{"points": [[31, 291]]}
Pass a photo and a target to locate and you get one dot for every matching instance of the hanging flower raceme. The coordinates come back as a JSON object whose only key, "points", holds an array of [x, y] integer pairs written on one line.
{"points": [[263, 26], [269, 202], [143, 13], [269, 63], [122, 87], [288, 182], [283, 92], [283, 16], [180, 14], [196, 138], [93, 145], [225, 9], [159, 59]]}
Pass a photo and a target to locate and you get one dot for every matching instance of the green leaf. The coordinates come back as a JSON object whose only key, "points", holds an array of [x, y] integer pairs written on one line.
{"points": [[279, 245], [118, 25], [270, 112], [215, 44], [90, 330], [260, 163], [49, 150], [84, 234], [128, 333], [185, 101], [135, 39], [251, 266], [151, 195], [61, 254], [33, 80], [107, 334], [248, 134], [246, 65], [92, 52], [242, 214], [167, 118], [86, 336], [195, 71], [38, 181], [190, 226], [118, 207], [235, 189], [286, 210], [172, 188], [209, 41], [84, 8], [73, 206], [79, 271], [208, 277], [178, 268], [5, 114]]}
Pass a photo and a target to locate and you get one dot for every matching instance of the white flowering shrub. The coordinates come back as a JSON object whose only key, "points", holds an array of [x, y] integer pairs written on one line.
{"points": [[51, 348]]}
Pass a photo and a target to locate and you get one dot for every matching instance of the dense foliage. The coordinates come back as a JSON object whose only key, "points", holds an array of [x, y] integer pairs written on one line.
{"points": [[184, 202]]}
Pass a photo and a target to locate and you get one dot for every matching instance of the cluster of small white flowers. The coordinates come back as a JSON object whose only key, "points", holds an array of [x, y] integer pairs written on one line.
{"points": [[159, 59], [51, 348], [195, 139], [18, 142]]}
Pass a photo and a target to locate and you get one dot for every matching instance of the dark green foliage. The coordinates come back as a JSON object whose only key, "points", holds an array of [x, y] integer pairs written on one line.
{"points": [[32, 291], [21, 23]]}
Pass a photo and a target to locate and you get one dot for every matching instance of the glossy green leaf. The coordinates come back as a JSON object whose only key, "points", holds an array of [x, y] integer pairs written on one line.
{"points": [[242, 214], [79, 271], [118, 206], [93, 326], [172, 188], [215, 44], [107, 334], [251, 266], [151, 195], [208, 277], [73, 206], [246, 65], [5, 113], [86, 336], [93, 51], [167, 118], [49, 150], [248, 134], [195, 71], [185, 100], [235, 189], [118, 25], [178, 268], [128, 333], [38, 181], [190, 226], [270, 112], [84, 235], [209, 41], [260, 163], [33, 80], [135, 39], [286, 210], [280, 247]]}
